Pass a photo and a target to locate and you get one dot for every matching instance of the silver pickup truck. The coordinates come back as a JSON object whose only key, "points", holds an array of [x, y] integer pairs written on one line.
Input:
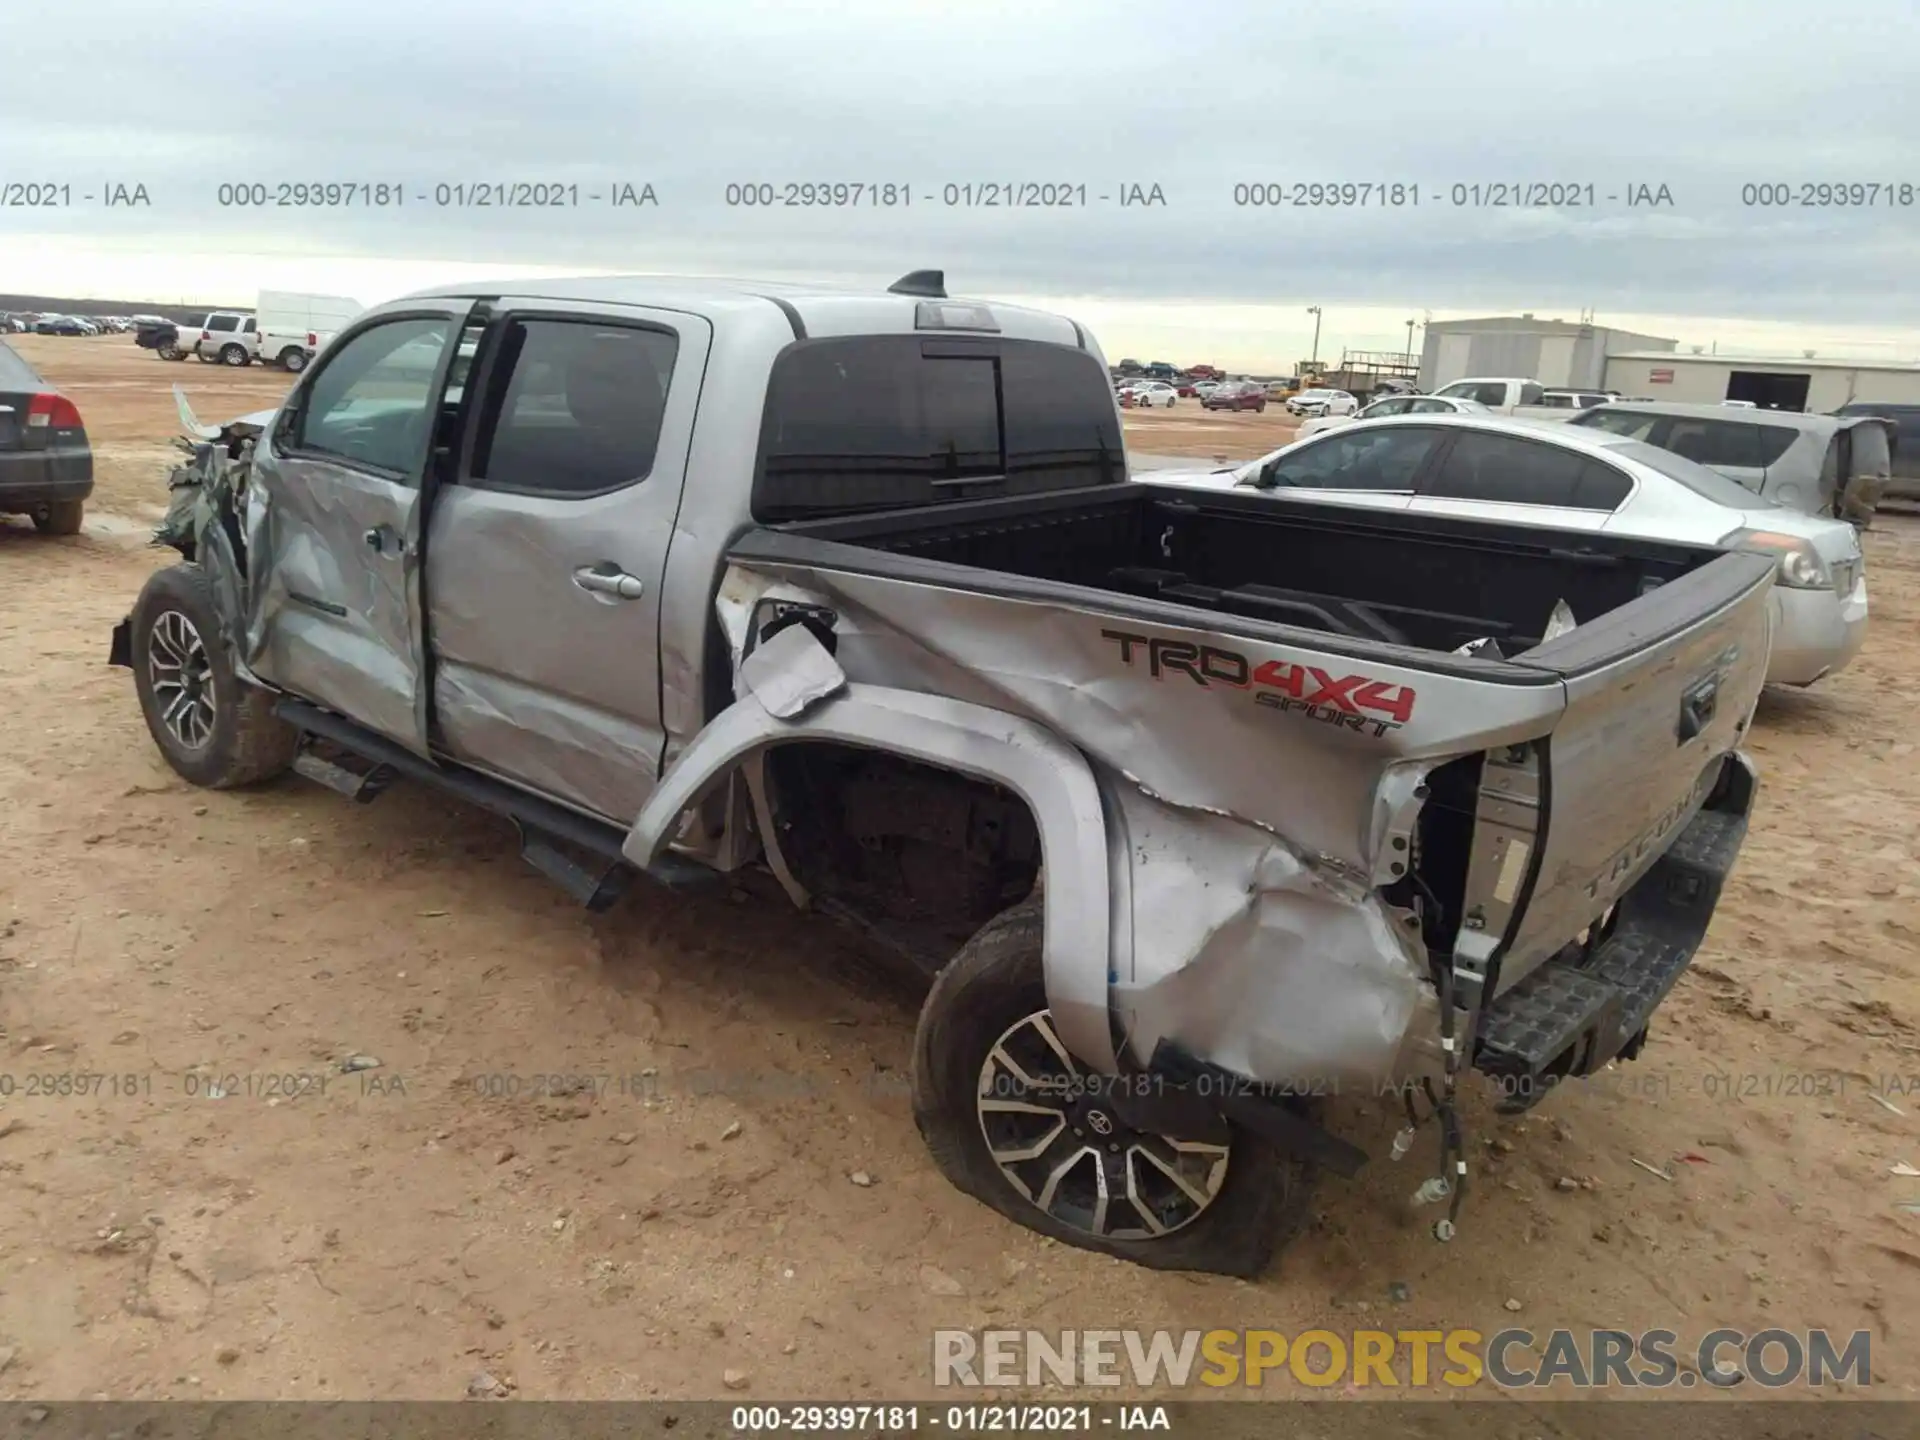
{"points": [[1198, 811]]}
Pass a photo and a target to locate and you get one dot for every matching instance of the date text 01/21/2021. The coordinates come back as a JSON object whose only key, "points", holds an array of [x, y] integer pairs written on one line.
{"points": [[442, 195]]}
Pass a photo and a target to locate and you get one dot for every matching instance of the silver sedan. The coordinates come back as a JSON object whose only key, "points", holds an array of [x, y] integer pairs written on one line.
{"points": [[1530, 472]]}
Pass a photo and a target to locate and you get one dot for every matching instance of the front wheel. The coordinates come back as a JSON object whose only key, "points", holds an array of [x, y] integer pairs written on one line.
{"points": [[214, 729], [1012, 1119]]}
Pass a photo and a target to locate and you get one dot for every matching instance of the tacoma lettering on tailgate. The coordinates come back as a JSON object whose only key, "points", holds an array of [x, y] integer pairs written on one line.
{"points": [[1351, 702]]}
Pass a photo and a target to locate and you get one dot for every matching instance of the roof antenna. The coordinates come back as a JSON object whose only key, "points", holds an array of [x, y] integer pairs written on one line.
{"points": [[930, 283]]}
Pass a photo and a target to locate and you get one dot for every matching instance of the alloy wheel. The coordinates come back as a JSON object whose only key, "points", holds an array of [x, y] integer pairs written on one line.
{"points": [[1062, 1144], [182, 678]]}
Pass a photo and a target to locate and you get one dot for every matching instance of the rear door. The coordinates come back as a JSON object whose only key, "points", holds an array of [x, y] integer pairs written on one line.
{"points": [[548, 547], [334, 523], [1524, 482]]}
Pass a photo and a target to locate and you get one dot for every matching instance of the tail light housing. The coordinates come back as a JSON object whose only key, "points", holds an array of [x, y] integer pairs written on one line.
{"points": [[52, 412], [313, 340]]}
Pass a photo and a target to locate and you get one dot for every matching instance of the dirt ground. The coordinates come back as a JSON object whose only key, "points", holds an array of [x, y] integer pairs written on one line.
{"points": [[237, 1217]]}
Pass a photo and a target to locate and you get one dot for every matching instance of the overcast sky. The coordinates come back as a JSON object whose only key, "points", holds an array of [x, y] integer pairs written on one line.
{"points": [[1703, 97]]}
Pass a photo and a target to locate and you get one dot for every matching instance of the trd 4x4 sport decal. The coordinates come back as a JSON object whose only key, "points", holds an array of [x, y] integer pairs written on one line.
{"points": [[1351, 702]]}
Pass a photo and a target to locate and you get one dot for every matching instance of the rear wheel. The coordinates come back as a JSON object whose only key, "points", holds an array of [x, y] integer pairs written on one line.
{"points": [[60, 517], [234, 355], [1014, 1121], [214, 728], [293, 359]]}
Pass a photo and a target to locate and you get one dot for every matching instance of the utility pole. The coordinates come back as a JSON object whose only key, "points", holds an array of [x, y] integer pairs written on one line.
{"points": [[1314, 311], [1410, 325]]}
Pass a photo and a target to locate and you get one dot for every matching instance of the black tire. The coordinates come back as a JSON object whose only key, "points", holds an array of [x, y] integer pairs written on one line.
{"points": [[293, 359], [60, 517], [234, 355], [989, 986], [244, 742], [203, 357]]}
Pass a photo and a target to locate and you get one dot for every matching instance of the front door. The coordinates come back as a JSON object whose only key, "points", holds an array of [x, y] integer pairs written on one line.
{"points": [[547, 551], [334, 521]]}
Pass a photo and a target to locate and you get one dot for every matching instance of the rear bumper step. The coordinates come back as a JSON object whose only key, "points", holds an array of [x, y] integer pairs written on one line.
{"points": [[1591, 1004]]}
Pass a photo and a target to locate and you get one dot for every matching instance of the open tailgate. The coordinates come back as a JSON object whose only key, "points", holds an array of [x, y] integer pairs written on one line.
{"points": [[1634, 775]]}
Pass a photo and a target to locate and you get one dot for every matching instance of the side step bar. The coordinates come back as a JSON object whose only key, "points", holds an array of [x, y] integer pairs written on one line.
{"points": [[361, 786], [548, 832], [1591, 1004]]}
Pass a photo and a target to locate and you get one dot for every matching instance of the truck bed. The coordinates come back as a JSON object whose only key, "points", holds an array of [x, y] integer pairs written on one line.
{"points": [[1421, 582]]}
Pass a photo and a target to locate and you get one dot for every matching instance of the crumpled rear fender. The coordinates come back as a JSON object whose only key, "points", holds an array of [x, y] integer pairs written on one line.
{"points": [[817, 703]]}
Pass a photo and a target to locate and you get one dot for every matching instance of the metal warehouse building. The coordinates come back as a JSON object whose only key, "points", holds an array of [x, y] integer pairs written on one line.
{"points": [[1554, 352], [1816, 386]]}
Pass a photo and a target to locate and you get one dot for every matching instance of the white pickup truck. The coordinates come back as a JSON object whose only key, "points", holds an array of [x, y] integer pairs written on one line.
{"points": [[1527, 399]]}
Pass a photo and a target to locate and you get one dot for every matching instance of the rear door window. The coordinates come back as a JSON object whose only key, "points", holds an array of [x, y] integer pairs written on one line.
{"points": [[883, 421], [221, 322], [1501, 469]]}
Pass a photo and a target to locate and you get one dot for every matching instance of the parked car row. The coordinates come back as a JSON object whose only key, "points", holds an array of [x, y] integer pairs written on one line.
{"points": [[288, 330], [44, 323]]}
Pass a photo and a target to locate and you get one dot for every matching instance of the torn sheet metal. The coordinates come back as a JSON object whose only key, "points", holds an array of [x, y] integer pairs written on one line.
{"points": [[1560, 622], [791, 672], [1252, 959], [1244, 845]]}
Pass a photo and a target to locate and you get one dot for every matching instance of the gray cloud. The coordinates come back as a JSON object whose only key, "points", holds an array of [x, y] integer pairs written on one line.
{"points": [[690, 95]]}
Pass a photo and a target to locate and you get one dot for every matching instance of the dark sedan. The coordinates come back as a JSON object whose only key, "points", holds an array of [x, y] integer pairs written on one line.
{"points": [[46, 464], [1242, 396], [60, 325]]}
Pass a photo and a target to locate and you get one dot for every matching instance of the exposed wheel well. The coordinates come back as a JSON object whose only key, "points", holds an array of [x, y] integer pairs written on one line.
{"points": [[921, 855]]}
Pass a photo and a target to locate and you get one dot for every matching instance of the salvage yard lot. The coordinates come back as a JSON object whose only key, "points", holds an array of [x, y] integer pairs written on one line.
{"points": [[621, 1156]]}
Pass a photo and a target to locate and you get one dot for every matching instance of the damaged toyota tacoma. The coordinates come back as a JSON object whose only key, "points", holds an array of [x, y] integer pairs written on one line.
{"points": [[1197, 811]]}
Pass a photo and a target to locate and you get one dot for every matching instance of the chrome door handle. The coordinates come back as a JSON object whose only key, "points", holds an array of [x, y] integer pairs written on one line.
{"points": [[605, 580]]}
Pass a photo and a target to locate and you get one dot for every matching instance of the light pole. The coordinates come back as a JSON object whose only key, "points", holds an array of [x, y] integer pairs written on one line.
{"points": [[1410, 325], [1314, 311]]}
